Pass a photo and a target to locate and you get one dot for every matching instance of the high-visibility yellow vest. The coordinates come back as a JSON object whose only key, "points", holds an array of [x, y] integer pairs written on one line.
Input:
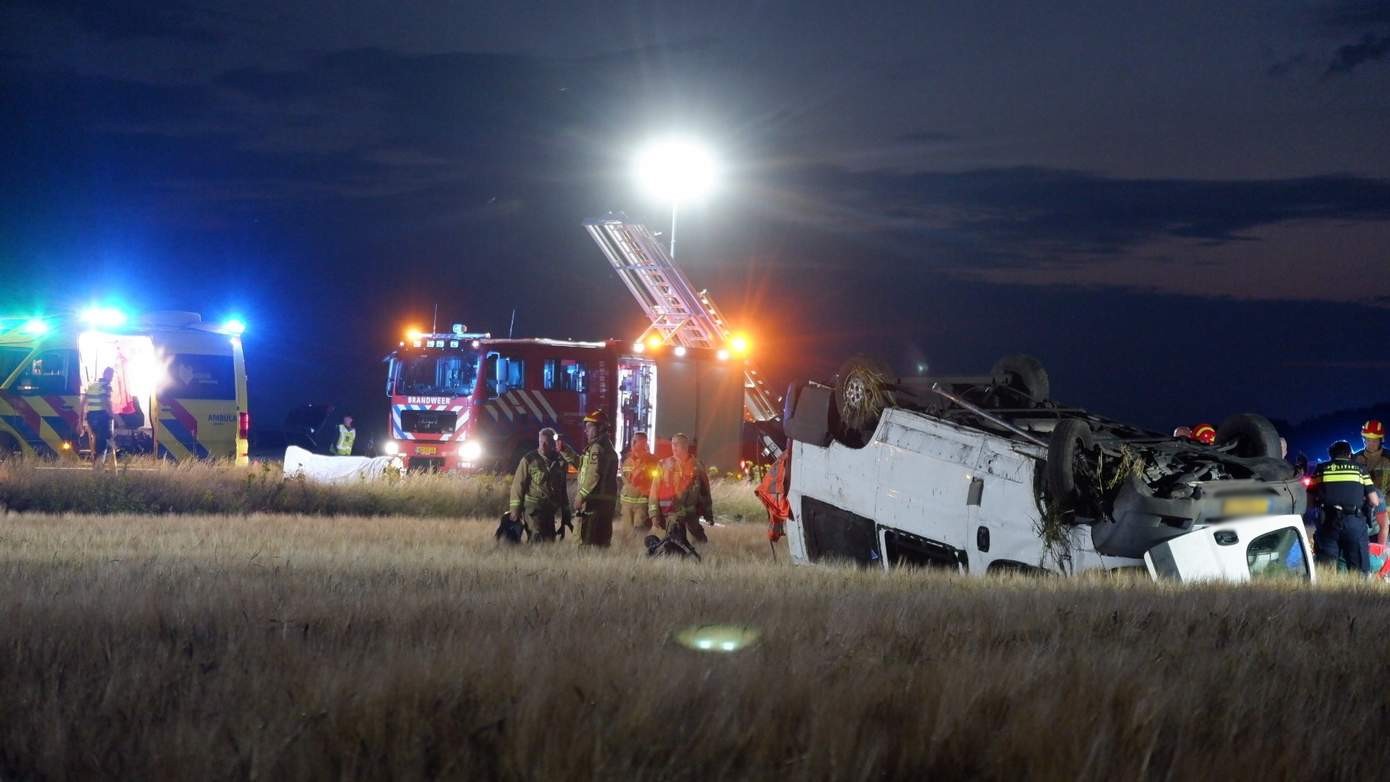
{"points": [[98, 397], [346, 437]]}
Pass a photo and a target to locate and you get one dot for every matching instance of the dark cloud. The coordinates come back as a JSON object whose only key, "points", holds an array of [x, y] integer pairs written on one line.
{"points": [[1356, 14], [1371, 48], [1015, 214], [929, 137], [1287, 65], [128, 20]]}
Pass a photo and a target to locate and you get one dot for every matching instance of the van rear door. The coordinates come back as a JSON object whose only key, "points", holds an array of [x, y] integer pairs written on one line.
{"points": [[1240, 550]]}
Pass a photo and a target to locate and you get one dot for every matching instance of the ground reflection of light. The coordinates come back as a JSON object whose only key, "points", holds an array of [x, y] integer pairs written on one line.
{"points": [[718, 638]]}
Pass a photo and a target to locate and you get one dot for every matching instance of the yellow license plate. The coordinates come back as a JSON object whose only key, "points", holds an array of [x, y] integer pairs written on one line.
{"points": [[1245, 506], [426, 450]]}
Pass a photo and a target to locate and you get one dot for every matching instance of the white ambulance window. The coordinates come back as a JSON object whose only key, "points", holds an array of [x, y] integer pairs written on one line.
{"points": [[1277, 554], [565, 374]]}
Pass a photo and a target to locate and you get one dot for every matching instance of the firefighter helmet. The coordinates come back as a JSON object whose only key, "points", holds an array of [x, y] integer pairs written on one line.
{"points": [[1204, 433], [596, 417], [1373, 430]]}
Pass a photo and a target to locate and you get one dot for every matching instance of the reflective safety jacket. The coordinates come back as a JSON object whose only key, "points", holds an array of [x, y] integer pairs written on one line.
{"points": [[681, 490], [1341, 482], [98, 397], [638, 472], [346, 437], [598, 472], [1379, 468], [539, 483]]}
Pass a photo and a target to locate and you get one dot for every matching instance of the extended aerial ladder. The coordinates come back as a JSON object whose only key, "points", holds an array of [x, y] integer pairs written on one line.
{"points": [[679, 314]]}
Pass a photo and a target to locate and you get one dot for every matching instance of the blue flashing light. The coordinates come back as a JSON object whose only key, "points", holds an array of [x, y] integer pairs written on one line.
{"points": [[34, 327], [103, 317], [234, 326]]}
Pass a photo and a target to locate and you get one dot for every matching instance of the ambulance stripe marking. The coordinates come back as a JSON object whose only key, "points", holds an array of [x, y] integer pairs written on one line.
{"points": [[546, 405], [27, 435], [534, 409], [33, 422]]}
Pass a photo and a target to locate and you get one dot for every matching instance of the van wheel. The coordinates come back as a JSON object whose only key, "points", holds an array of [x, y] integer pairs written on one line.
{"points": [[1024, 375], [1071, 440], [863, 389], [1253, 435]]}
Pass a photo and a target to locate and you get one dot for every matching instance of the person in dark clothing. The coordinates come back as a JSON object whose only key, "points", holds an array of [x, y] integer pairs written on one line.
{"points": [[1344, 491], [539, 489]]}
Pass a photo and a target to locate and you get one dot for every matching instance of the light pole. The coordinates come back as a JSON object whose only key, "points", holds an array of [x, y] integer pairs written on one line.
{"points": [[676, 170]]}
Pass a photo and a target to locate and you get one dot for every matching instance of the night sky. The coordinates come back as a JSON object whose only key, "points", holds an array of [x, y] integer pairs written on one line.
{"points": [[1184, 212]]}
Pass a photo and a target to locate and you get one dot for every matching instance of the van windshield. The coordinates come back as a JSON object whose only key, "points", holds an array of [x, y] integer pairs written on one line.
{"points": [[448, 375]]}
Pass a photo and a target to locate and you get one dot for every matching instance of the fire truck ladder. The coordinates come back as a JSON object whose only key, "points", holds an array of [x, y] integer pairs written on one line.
{"points": [[679, 314]]}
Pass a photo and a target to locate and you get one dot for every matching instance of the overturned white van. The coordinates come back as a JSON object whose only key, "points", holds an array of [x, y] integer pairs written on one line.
{"points": [[987, 474]]}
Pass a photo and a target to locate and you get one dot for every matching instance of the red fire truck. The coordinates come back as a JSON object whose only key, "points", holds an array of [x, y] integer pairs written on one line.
{"points": [[462, 400]]}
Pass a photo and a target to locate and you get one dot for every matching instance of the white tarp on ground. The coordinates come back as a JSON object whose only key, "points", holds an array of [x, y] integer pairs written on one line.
{"points": [[336, 469]]}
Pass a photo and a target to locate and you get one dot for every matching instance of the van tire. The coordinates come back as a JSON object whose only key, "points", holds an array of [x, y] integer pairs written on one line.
{"points": [[1024, 374], [863, 389], [1070, 437], [1253, 435]]}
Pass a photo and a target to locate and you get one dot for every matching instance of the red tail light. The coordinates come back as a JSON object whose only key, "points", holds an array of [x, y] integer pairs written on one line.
{"points": [[243, 425]]}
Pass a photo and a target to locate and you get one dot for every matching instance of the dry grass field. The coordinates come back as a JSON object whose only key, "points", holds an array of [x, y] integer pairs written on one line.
{"points": [[142, 647]]}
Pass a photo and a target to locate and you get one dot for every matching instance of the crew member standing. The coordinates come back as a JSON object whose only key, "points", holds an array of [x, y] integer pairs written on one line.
{"points": [[347, 435], [680, 494], [95, 404], [596, 500], [539, 493], [1377, 464], [637, 484], [1343, 490]]}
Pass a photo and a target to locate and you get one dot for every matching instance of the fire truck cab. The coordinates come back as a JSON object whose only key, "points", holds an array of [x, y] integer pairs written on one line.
{"points": [[468, 401]]}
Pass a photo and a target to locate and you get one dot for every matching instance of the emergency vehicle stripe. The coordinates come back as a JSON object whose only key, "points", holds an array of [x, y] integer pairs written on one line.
{"points": [[33, 422], [57, 424], [26, 435], [492, 410], [548, 409], [502, 405], [536, 411], [515, 398], [184, 439]]}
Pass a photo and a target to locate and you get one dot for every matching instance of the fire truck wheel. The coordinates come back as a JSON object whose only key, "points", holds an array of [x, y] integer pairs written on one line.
{"points": [[1253, 435], [1070, 440], [1025, 375], [863, 388]]}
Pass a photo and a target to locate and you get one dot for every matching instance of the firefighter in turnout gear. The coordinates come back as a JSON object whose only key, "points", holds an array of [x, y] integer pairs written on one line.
{"points": [[1342, 489], [539, 490], [1377, 463], [347, 435], [680, 494], [596, 501], [638, 470]]}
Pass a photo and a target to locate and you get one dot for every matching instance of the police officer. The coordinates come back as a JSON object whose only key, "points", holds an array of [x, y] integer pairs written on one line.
{"points": [[1342, 489], [596, 501], [539, 493], [95, 403], [347, 435], [681, 495]]}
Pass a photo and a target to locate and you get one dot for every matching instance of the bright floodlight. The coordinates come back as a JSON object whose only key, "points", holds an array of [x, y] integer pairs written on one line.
{"points": [[34, 327], [103, 317], [234, 326], [676, 170]]}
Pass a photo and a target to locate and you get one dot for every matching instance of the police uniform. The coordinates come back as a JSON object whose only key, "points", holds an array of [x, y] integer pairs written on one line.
{"points": [[637, 489], [346, 437], [539, 493], [1341, 487], [681, 495]]}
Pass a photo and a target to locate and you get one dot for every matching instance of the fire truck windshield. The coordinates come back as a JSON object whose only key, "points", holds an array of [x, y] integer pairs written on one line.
{"points": [[437, 375]]}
